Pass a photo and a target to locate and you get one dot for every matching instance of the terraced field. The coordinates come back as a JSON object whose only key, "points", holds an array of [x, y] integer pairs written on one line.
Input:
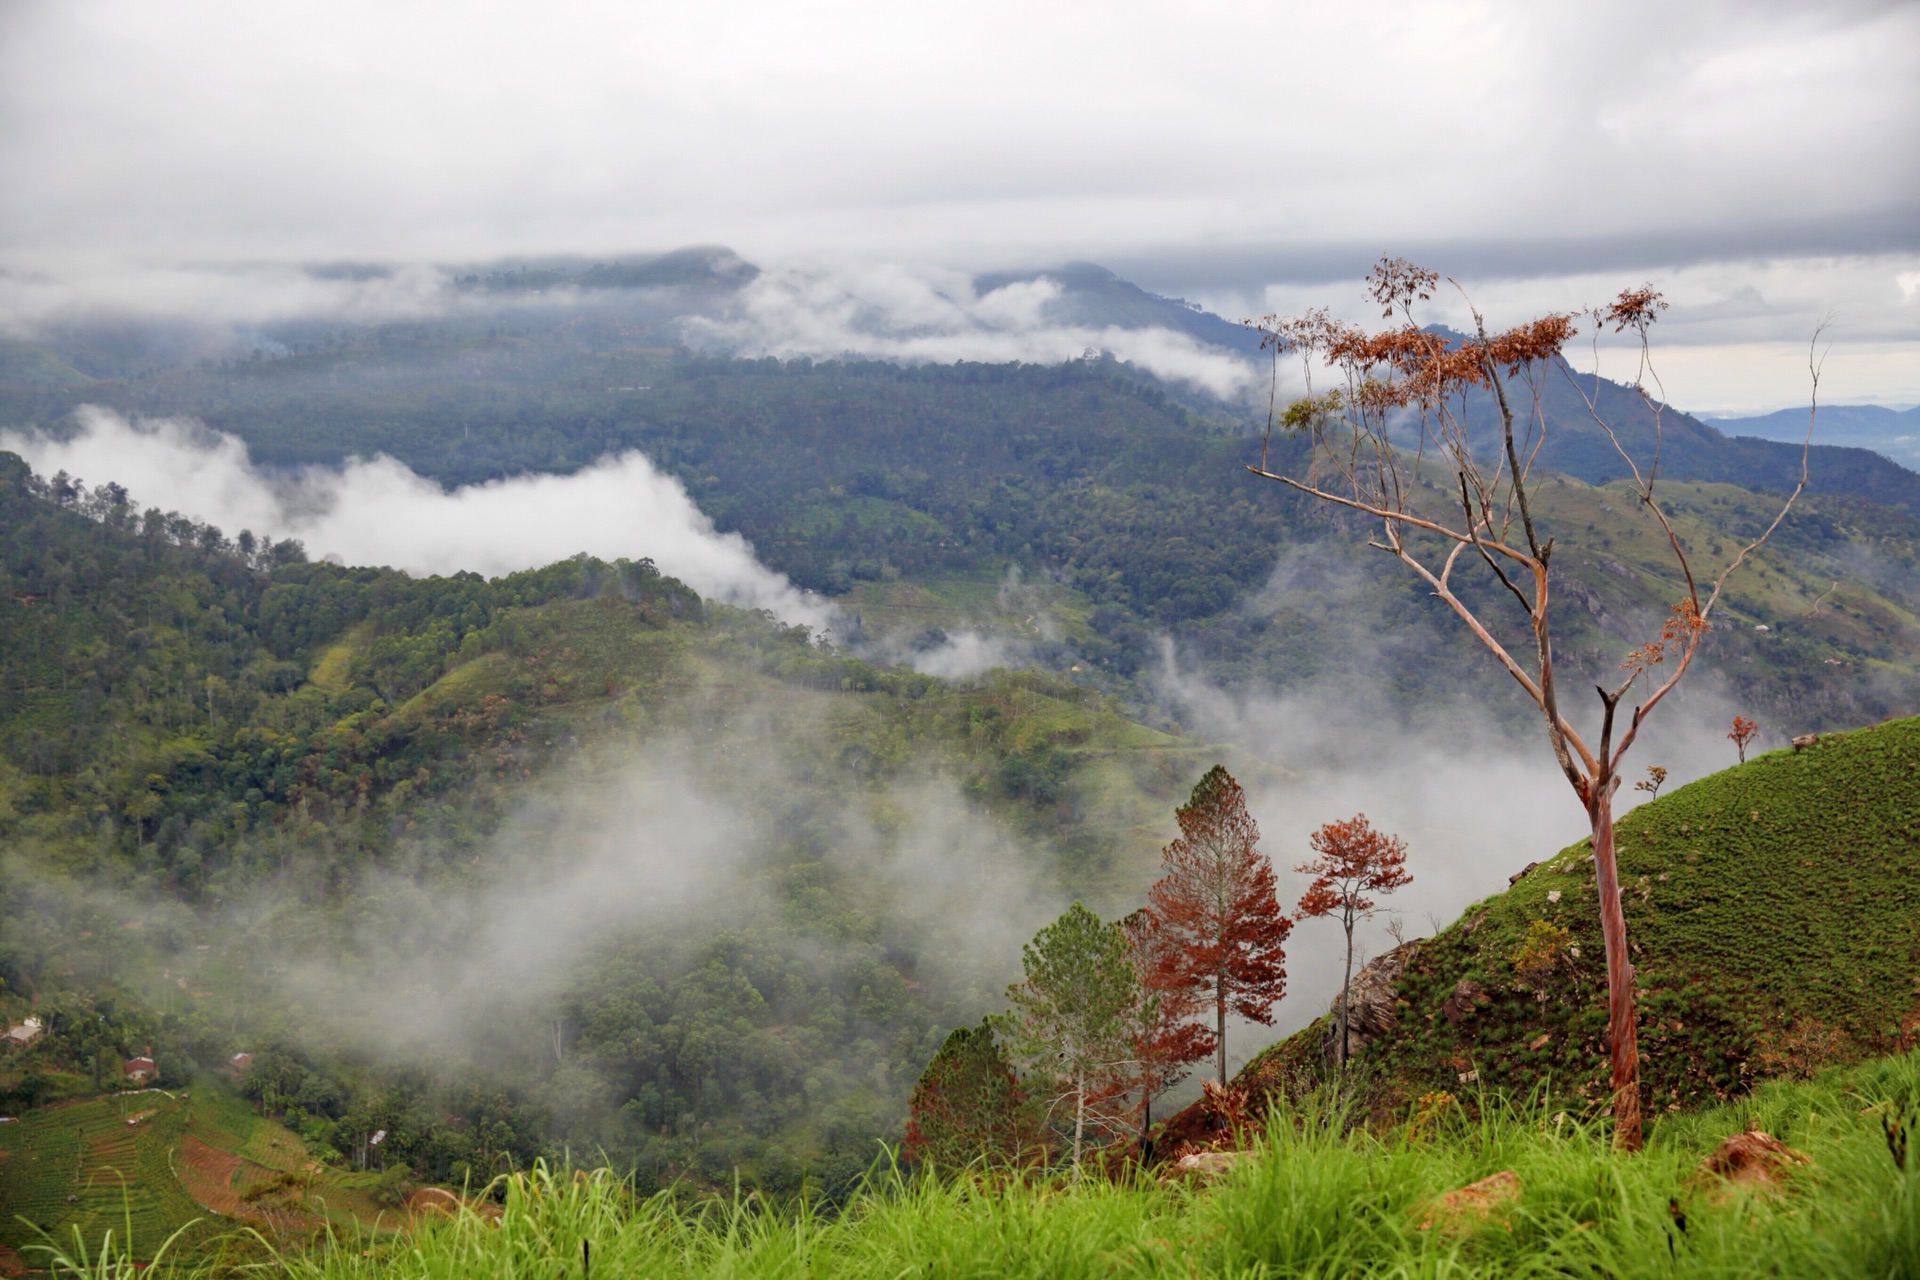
{"points": [[82, 1166], [148, 1164]]}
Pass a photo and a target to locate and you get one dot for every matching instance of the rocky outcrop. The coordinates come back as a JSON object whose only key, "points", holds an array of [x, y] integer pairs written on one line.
{"points": [[1375, 996]]}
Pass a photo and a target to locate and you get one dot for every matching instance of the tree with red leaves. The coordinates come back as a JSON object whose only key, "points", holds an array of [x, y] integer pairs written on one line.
{"points": [[1222, 933], [1170, 1038], [1355, 860], [1743, 732], [1399, 443], [968, 1106]]}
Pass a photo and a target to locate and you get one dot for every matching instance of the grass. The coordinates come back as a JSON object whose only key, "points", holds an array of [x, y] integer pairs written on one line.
{"points": [[1315, 1197], [1772, 937]]}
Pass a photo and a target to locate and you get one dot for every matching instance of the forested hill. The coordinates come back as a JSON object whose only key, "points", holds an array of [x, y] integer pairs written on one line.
{"points": [[873, 481], [569, 858]]}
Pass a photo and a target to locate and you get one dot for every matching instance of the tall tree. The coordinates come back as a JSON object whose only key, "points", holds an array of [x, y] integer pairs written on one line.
{"points": [[968, 1105], [1355, 860], [1075, 1018], [1397, 443], [1223, 933]]}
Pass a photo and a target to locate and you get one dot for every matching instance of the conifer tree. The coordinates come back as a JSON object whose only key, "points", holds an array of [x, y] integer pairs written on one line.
{"points": [[968, 1105], [1168, 1039], [1222, 931], [1075, 1018]]}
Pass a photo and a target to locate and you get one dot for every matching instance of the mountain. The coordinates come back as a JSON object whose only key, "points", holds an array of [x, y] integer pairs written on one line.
{"points": [[568, 858], [1093, 296], [1892, 433], [867, 480]]}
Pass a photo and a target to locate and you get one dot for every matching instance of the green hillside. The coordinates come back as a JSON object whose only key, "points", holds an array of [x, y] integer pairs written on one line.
{"points": [[243, 796], [1774, 913]]}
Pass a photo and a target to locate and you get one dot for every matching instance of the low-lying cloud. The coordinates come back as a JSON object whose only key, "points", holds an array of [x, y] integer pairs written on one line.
{"points": [[378, 511], [931, 316]]}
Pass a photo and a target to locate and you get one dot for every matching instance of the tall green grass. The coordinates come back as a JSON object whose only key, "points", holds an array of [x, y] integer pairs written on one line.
{"points": [[1316, 1198]]}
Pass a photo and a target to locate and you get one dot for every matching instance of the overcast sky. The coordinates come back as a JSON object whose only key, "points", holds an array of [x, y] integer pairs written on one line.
{"points": [[1761, 161]]}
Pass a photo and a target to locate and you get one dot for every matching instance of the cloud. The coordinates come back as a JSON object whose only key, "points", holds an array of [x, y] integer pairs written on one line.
{"points": [[379, 512], [934, 316], [211, 131]]}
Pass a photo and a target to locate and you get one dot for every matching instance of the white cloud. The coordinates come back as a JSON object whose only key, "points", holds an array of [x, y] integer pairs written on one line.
{"points": [[210, 129], [379, 512], [933, 316]]}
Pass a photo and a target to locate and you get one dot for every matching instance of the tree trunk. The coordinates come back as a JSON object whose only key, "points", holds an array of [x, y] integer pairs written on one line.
{"points": [[1079, 1120], [1346, 995], [1622, 1006], [1220, 1023]]}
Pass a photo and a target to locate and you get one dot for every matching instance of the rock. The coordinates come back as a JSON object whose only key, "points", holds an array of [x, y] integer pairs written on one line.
{"points": [[1460, 1005], [1519, 875], [1754, 1159], [1376, 1002], [1205, 1164], [1804, 741], [1473, 1206]]}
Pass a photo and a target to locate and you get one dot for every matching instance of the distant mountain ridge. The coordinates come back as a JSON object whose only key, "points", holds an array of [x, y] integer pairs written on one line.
{"points": [[1891, 433]]}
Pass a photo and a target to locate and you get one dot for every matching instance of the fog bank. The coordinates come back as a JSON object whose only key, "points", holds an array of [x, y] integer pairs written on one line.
{"points": [[379, 512]]}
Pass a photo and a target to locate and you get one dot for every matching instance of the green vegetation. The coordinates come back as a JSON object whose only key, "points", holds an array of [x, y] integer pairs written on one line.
{"points": [[853, 477], [1312, 1198], [216, 762], [1775, 914]]}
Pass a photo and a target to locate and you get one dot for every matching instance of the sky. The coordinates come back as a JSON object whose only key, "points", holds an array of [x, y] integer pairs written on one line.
{"points": [[1755, 160]]}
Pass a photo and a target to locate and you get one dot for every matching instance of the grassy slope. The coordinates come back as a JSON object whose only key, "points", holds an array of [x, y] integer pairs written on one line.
{"points": [[1309, 1201], [1774, 911]]}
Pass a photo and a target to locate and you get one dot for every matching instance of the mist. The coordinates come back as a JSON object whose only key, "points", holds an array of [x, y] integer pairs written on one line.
{"points": [[932, 316], [379, 512], [676, 840], [1469, 782]]}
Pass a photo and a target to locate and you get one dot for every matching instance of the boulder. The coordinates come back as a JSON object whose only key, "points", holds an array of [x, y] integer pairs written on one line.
{"points": [[1473, 1206], [1460, 1005], [1754, 1159]]}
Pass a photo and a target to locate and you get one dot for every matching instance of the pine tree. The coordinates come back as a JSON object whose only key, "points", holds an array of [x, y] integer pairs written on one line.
{"points": [[968, 1105], [1215, 905], [1075, 1019], [1168, 1038]]}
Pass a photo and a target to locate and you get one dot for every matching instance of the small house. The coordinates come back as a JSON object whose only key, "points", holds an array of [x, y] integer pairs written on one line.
{"points": [[239, 1063], [140, 1070], [19, 1037]]}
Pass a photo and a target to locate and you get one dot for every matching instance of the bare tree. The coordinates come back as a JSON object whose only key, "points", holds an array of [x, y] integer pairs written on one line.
{"points": [[1392, 442]]}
